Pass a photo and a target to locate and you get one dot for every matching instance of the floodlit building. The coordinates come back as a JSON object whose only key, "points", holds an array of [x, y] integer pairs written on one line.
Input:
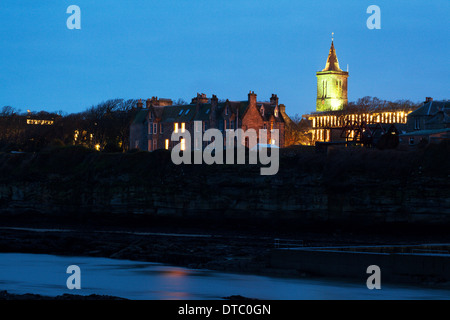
{"points": [[335, 121]]}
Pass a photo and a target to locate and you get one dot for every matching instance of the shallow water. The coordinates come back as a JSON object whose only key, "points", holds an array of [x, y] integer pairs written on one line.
{"points": [[46, 275]]}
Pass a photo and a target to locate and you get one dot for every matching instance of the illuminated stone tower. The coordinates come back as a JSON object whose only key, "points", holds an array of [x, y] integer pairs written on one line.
{"points": [[331, 85]]}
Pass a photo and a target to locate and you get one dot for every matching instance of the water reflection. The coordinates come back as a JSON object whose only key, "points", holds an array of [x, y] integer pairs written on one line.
{"points": [[46, 275]]}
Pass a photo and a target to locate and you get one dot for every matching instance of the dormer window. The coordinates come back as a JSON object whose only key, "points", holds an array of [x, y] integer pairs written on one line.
{"points": [[262, 111]]}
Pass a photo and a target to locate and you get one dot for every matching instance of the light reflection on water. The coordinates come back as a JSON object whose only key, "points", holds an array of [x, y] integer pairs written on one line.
{"points": [[46, 275]]}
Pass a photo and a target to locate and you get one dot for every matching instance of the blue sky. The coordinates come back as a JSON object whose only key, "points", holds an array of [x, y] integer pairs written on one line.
{"points": [[176, 48]]}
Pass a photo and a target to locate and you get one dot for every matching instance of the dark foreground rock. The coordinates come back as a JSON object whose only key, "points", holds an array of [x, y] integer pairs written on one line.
{"points": [[353, 185]]}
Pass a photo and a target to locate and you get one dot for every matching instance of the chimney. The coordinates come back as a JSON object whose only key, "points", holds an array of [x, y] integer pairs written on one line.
{"points": [[201, 98], [282, 108], [252, 98], [140, 104], [428, 99], [212, 113], [274, 100]]}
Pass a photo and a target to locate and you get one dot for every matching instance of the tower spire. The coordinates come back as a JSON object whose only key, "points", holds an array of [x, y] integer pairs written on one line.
{"points": [[331, 84], [332, 61]]}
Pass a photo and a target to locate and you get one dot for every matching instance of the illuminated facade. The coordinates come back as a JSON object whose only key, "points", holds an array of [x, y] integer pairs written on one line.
{"points": [[334, 120], [331, 85], [331, 126], [40, 122]]}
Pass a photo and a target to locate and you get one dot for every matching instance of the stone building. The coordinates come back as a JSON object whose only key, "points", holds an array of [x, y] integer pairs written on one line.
{"points": [[430, 123], [430, 116], [335, 121], [331, 85], [153, 125]]}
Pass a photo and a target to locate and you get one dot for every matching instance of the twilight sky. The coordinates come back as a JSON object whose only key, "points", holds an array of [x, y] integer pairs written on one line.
{"points": [[176, 48]]}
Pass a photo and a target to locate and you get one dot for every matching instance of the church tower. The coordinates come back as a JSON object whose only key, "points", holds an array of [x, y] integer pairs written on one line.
{"points": [[331, 85]]}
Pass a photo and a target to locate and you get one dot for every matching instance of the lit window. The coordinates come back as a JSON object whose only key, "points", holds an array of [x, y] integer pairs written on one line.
{"points": [[167, 144], [271, 125], [183, 144], [275, 112], [175, 127], [183, 127], [272, 142]]}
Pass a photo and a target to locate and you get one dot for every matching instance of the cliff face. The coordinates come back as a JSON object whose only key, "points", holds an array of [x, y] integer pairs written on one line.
{"points": [[347, 186]]}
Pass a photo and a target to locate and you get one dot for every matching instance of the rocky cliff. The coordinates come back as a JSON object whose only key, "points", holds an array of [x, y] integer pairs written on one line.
{"points": [[346, 186]]}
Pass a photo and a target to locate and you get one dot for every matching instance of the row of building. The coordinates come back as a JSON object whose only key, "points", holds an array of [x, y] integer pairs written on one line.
{"points": [[332, 122], [153, 126]]}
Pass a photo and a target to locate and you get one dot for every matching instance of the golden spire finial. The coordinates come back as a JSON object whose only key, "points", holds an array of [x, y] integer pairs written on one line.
{"points": [[332, 36]]}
